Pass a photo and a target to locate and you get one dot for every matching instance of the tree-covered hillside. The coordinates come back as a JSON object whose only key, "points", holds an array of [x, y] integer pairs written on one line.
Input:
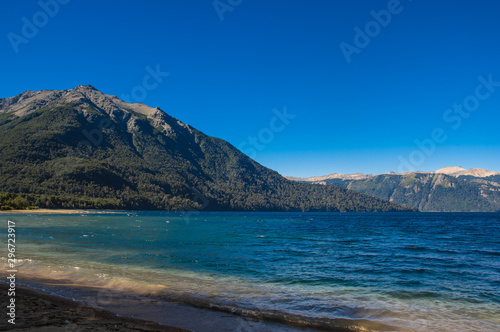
{"points": [[431, 192], [92, 151]]}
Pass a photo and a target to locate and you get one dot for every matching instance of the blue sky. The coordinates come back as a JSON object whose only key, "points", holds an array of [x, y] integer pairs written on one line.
{"points": [[234, 67]]}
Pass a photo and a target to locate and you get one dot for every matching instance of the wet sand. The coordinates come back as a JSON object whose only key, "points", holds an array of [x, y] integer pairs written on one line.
{"points": [[40, 311]]}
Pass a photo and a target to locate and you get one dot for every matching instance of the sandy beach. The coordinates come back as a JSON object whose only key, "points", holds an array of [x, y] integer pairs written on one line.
{"points": [[40, 311]]}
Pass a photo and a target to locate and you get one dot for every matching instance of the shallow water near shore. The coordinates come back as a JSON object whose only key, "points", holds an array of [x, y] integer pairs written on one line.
{"points": [[367, 272]]}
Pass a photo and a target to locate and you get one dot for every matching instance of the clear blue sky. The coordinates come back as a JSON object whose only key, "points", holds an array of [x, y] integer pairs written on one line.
{"points": [[226, 76]]}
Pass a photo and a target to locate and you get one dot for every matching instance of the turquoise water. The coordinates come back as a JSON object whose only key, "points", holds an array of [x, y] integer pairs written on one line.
{"points": [[380, 271]]}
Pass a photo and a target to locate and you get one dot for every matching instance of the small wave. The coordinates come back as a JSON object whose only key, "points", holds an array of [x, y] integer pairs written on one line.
{"points": [[487, 252], [413, 295], [415, 248], [309, 303], [71, 280], [322, 323]]}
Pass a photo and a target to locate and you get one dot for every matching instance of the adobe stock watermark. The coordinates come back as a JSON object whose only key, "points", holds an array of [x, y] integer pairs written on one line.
{"points": [[11, 270], [30, 27], [150, 81], [223, 6], [363, 37], [453, 116], [266, 135]]}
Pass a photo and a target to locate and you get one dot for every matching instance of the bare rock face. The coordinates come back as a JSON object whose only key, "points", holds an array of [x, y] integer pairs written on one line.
{"points": [[133, 124], [321, 179], [459, 171], [160, 119], [455, 171], [29, 101], [86, 98], [450, 170]]}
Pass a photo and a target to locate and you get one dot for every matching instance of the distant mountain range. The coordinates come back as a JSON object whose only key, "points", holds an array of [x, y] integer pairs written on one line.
{"points": [[81, 148], [449, 189]]}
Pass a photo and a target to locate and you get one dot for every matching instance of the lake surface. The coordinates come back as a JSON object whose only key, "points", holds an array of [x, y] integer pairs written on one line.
{"points": [[371, 271]]}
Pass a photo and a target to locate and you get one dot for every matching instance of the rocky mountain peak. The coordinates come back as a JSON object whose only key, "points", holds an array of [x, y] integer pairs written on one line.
{"points": [[450, 170], [84, 97], [460, 171], [85, 87]]}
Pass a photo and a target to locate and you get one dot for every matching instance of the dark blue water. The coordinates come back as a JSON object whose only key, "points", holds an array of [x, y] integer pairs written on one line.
{"points": [[380, 271]]}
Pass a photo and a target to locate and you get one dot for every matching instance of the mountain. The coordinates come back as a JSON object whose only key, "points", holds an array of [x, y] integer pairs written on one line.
{"points": [[449, 189], [81, 148], [459, 171]]}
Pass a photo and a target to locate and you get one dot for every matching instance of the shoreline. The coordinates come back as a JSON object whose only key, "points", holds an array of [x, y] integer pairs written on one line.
{"points": [[37, 310], [94, 211], [46, 305], [46, 211]]}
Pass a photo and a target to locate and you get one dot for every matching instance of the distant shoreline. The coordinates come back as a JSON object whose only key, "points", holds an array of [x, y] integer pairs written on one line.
{"points": [[90, 211], [45, 211]]}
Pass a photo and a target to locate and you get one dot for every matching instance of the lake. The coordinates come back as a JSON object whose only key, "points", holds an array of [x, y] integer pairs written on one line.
{"points": [[371, 271]]}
